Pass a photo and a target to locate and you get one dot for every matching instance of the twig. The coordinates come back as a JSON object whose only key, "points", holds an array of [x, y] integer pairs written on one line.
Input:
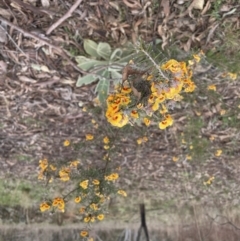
{"points": [[64, 17], [154, 63], [12, 40], [58, 49], [33, 8], [228, 222]]}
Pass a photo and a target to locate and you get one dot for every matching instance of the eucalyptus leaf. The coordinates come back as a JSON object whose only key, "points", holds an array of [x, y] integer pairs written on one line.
{"points": [[90, 47], [102, 88], [36, 67], [85, 80], [86, 63], [104, 50]]}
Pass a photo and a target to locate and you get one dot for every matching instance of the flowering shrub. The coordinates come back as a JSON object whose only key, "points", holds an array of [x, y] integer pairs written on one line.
{"points": [[91, 193], [155, 90], [144, 97]]}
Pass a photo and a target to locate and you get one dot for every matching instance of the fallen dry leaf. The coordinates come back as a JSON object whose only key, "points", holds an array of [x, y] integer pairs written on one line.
{"points": [[198, 4], [45, 3], [166, 8]]}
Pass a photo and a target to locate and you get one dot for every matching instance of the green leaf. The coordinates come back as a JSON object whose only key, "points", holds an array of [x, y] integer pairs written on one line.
{"points": [[86, 63], [116, 54], [102, 88], [115, 75], [85, 80], [90, 47], [104, 50]]}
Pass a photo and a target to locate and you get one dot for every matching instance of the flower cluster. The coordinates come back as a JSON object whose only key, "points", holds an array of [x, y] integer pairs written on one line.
{"points": [[91, 194], [49, 172], [209, 181], [172, 79]]}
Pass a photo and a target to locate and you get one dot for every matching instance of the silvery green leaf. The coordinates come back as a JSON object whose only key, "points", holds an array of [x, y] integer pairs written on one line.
{"points": [[85, 80], [115, 75], [86, 63], [104, 50], [116, 54], [90, 47], [102, 88]]}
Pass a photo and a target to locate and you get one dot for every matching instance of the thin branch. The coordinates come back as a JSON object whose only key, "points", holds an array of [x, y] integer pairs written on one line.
{"points": [[58, 49], [34, 9], [64, 17], [228, 222]]}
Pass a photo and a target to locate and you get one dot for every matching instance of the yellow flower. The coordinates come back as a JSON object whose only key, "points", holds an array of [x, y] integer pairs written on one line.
{"points": [[84, 233], [139, 141], [82, 210], [197, 57], [190, 62], [90, 239], [94, 206], [114, 176], [84, 184], [100, 217], [218, 153], [95, 182], [106, 140], [106, 147], [87, 219], [64, 174], [89, 137], [74, 163], [43, 164], [150, 77], [66, 143], [189, 157], [126, 90], [168, 121], [134, 114], [40, 175], [232, 76], [93, 121], [212, 87], [53, 168], [155, 106], [59, 203], [161, 98], [175, 159], [92, 219], [122, 192], [44, 206], [146, 121], [163, 124], [77, 199], [209, 181]]}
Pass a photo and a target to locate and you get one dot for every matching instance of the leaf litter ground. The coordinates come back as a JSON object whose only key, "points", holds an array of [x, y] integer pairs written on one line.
{"points": [[40, 105]]}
